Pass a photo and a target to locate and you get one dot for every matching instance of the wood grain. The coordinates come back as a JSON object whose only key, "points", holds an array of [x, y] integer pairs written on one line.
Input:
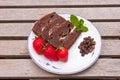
{"points": [[36, 13], [17, 48], [17, 19], [13, 48], [56, 2], [44, 79], [25, 68], [15, 29], [23, 29]]}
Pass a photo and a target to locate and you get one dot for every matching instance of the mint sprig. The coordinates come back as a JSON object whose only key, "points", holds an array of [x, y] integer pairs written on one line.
{"points": [[79, 24]]}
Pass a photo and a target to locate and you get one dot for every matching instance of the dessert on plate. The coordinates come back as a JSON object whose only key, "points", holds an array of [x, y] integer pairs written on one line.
{"points": [[57, 45], [58, 32]]}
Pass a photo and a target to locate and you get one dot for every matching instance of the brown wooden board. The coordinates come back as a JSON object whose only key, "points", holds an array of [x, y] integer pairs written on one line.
{"points": [[34, 14], [56, 2], [25, 68]]}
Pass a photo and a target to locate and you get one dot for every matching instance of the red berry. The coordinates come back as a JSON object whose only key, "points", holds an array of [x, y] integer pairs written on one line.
{"points": [[38, 45], [62, 54], [50, 53]]}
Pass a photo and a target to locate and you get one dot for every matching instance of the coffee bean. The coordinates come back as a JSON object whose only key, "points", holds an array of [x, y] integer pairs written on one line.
{"points": [[87, 45]]}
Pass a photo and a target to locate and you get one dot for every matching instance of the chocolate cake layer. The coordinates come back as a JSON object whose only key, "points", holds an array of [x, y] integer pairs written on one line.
{"points": [[71, 38], [40, 24], [65, 37], [50, 28]]}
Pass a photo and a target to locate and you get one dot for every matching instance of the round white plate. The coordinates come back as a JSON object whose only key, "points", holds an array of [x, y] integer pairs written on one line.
{"points": [[76, 63]]}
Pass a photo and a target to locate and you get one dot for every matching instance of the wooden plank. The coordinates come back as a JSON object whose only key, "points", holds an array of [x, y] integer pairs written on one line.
{"points": [[44, 79], [36, 13], [11, 68], [93, 79], [23, 29], [13, 48], [110, 47], [79, 79], [15, 29], [56, 2], [108, 28], [19, 48]]}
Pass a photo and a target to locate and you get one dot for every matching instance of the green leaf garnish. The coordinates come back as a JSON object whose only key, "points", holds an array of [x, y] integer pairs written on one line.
{"points": [[79, 24], [84, 29], [81, 21], [74, 20], [78, 29]]}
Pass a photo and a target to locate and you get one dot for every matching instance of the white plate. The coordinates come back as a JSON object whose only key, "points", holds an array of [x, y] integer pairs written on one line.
{"points": [[76, 63]]}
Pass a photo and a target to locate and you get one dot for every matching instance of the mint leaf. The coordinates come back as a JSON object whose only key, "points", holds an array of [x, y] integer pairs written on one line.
{"points": [[78, 28], [79, 24], [74, 20], [81, 21], [84, 29]]}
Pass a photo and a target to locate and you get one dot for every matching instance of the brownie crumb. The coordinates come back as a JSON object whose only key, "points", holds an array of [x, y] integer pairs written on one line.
{"points": [[87, 45]]}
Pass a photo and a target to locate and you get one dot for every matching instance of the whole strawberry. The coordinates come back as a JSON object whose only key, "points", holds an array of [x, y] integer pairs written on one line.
{"points": [[62, 54], [50, 53], [38, 45]]}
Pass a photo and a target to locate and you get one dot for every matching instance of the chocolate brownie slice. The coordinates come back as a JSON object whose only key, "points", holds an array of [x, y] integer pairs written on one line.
{"points": [[40, 24], [50, 28], [70, 38], [56, 30], [64, 35]]}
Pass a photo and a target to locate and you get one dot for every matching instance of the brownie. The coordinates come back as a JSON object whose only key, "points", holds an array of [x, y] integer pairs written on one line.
{"points": [[50, 28], [45, 20], [56, 30], [71, 37], [58, 33], [64, 35]]}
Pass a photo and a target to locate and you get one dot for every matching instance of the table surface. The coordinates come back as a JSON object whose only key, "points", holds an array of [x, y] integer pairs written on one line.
{"points": [[17, 17]]}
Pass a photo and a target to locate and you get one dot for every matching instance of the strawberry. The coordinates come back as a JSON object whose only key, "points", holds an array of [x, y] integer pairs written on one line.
{"points": [[50, 53], [62, 54], [38, 45]]}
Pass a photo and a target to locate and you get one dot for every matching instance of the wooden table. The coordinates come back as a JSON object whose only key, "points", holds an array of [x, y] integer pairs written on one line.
{"points": [[17, 17]]}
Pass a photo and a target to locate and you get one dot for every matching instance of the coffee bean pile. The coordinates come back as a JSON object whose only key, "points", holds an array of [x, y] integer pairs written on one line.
{"points": [[87, 46]]}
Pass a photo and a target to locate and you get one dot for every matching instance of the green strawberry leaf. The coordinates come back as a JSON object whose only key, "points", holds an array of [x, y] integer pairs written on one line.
{"points": [[74, 20]]}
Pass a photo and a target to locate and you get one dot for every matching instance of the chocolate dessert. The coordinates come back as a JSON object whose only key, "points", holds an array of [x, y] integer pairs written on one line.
{"points": [[56, 30], [41, 23]]}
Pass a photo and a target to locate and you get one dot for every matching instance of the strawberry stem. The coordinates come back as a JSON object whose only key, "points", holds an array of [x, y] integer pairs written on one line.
{"points": [[42, 50], [59, 48], [36, 37]]}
